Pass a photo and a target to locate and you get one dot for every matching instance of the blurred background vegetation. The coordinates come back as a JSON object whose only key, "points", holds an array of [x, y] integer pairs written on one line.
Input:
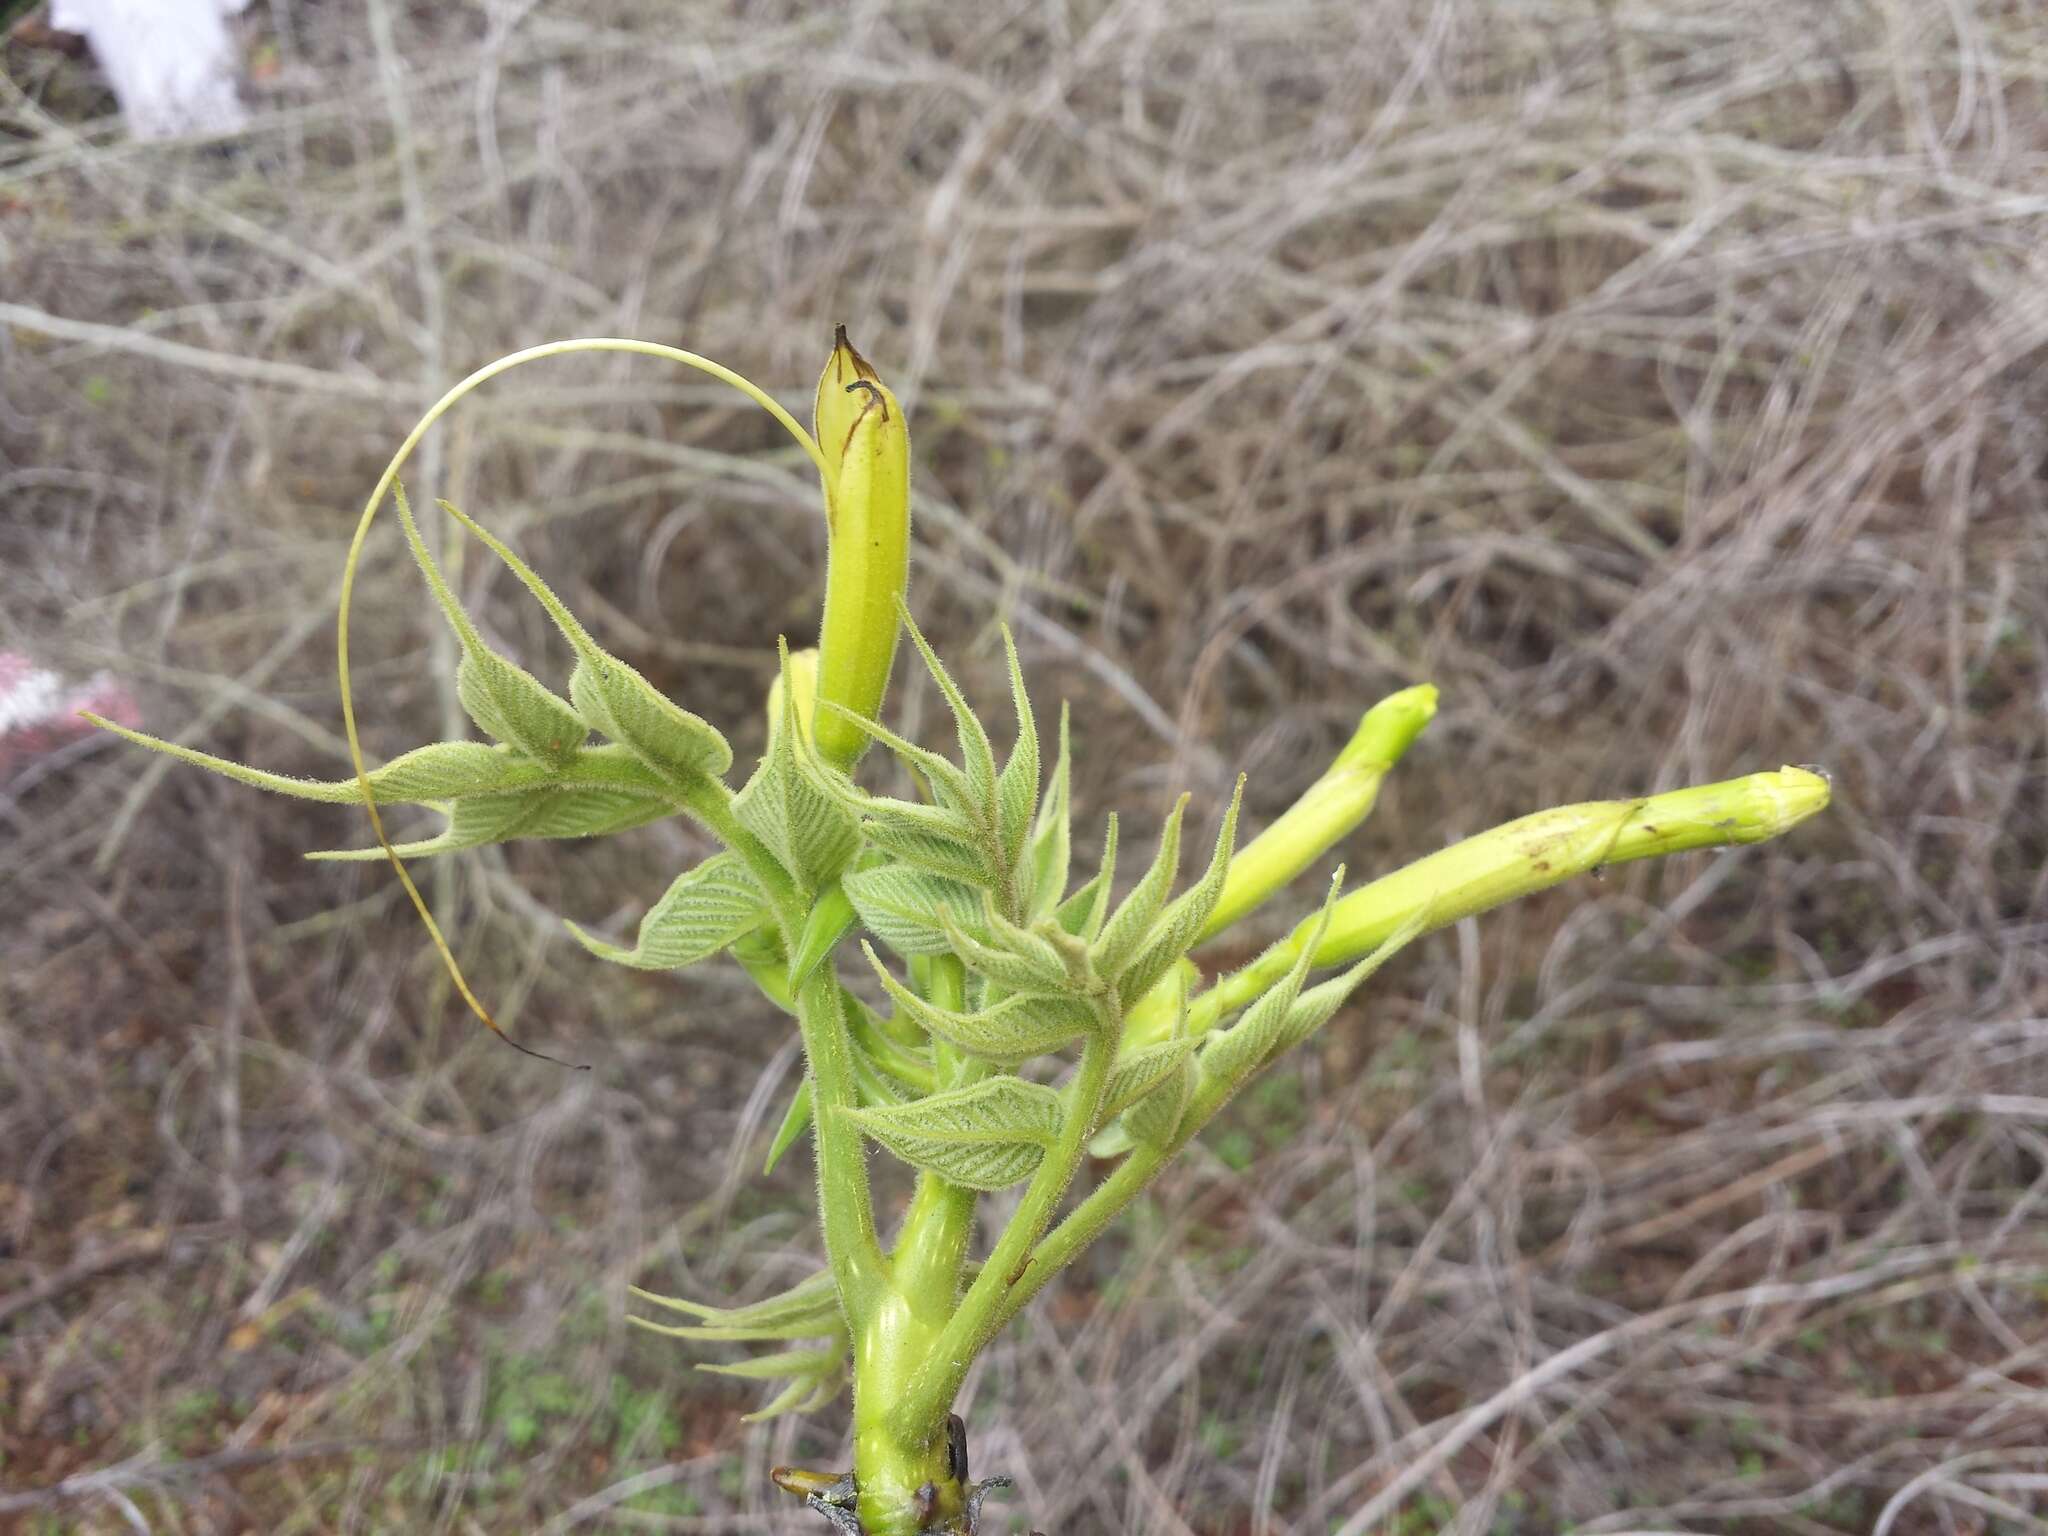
{"points": [[1664, 381]]}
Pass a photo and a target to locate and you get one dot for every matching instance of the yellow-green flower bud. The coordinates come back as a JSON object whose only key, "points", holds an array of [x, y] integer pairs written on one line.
{"points": [[1548, 848], [1328, 812], [803, 676], [1516, 859], [861, 431]]}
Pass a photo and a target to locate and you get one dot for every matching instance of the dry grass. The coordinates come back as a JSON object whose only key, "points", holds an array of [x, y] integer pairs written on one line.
{"points": [[1665, 381]]}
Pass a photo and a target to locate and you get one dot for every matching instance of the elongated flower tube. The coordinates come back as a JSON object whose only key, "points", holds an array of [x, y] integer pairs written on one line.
{"points": [[866, 446], [1517, 858], [1328, 812], [1536, 852]]}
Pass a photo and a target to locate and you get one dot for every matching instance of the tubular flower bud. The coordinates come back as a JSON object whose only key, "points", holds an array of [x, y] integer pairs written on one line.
{"points": [[861, 431], [1332, 807], [1516, 859], [803, 674], [1521, 857]]}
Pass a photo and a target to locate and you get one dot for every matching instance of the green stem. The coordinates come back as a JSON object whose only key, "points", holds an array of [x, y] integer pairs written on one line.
{"points": [[981, 1311], [906, 1477], [1065, 1242], [933, 1243], [932, 1246], [896, 1458]]}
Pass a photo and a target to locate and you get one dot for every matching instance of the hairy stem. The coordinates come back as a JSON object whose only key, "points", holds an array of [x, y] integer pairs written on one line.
{"points": [[845, 1205], [981, 1311]]}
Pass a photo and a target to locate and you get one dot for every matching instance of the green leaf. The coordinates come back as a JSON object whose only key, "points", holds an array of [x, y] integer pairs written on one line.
{"points": [[1011, 1031], [800, 1396], [1131, 921], [810, 833], [507, 702], [703, 911], [1051, 836], [612, 696], [511, 705], [938, 853], [1014, 958], [907, 1065], [977, 757], [1154, 1118], [1180, 925], [621, 704], [948, 785], [794, 1121], [1315, 1007], [806, 1364], [986, 1136], [1230, 1056], [875, 1088], [1017, 787], [831, 915], [1081, 914], [446, 770], [761, 956], [806, 1309], [546, 812], [1151, 1086], [1140, 1072], [901, 906]]}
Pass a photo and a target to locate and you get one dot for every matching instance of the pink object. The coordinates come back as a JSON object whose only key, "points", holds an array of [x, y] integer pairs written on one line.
{"points": [[39, 714]]}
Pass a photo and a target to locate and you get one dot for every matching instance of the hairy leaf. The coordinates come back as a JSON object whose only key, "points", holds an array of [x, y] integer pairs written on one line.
{"points": [[800, 1396], [1154, 1118], [1232, 1055], [810, 833], [507, 702], [621, 704], [831, 916], [1315, 1007], [806, 1309], [938, 853], [544, 812], [805, 1364], [907, 1065], [1014, 958], [1137, 1074], [977, 757], [512, 706], [1051, 835], [1180, 925], [1131, 921], [443, 771], [948, 785], [1016, 794], [1151, 1086], [795, 1121], [703, 911], [986, 1136], [612, 696], [901, 906], [1011, 1031], [1082, 913]]}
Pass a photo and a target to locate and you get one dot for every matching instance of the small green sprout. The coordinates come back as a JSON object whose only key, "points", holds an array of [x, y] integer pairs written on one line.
{"points": [[991, 951]]}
